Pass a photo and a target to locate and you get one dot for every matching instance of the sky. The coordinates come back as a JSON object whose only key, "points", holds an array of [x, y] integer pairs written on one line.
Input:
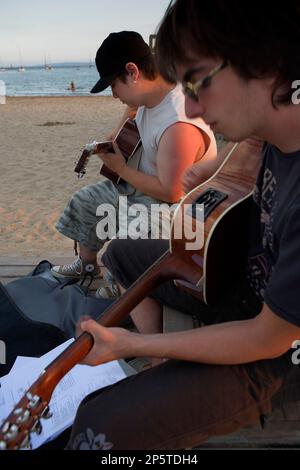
{"points": [[69, 30]]}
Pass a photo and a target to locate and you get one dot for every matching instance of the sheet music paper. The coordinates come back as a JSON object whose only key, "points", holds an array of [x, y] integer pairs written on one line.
{"points": [[20, 362], [68, 394]]}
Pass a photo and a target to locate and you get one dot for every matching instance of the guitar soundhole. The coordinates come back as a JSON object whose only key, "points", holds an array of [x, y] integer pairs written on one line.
{"points": [[211, 198]]}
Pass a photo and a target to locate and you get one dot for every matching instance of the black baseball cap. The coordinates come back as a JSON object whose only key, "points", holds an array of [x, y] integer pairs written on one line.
{"points": [[115, 52]]}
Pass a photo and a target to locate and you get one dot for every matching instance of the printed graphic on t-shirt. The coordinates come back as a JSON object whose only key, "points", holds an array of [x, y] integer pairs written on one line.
{"points": [[261, 255], [88, 441]]}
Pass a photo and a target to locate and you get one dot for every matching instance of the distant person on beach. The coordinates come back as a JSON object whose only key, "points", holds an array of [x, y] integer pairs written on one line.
{"points": [[72, 86], [171, 143]]}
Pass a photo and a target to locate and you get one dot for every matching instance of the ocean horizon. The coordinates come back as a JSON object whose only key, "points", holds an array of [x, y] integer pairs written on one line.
{"points": [[38, 81]]}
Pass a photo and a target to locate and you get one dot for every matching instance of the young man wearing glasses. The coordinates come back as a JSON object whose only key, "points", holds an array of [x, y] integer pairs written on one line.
{"points": [[237, 69]]}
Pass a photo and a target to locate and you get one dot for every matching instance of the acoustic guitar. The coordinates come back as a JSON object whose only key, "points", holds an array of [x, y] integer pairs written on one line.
{"points": [[128, 140], [206, 272]]}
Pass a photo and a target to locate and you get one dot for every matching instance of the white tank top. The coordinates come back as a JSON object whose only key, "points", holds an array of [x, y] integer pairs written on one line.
{"points": [[152, 123]]}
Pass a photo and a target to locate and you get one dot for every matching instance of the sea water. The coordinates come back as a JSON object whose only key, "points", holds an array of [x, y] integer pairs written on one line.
{"points": [[54, 82]]}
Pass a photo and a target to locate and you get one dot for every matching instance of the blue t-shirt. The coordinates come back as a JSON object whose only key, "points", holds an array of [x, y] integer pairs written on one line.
{"points": [[274, 242]]}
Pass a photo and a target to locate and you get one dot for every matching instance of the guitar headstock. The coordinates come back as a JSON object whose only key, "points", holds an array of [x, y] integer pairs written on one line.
{"points": [[34, 405], [80, 167], [23, 420]]}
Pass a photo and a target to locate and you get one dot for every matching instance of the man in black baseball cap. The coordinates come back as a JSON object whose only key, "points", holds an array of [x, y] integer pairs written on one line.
{"points": [[115, 52], [170, 144]]}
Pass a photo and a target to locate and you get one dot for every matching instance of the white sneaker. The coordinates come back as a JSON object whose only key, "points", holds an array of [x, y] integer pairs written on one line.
{"points": [[108, 292], [76, 270]]}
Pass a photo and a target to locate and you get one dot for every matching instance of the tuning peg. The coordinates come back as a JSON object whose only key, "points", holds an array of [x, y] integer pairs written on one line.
{"points": [[12, 433], [26, 443], [47, 414], [5, 427], [3, 445], [37, 427], [34, 400], [22, 417]]}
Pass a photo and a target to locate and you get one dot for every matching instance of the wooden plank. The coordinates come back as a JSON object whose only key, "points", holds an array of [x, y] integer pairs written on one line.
{"points": [[282, 429], [14, 267], [5, 280], [173, 320], [93, 287], [275, 435], [33, 260], [15, 271]]}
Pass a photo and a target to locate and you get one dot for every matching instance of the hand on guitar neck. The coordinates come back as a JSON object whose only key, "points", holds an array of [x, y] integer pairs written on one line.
{"points": [[110, 344], [114, 161], [127, 142]]}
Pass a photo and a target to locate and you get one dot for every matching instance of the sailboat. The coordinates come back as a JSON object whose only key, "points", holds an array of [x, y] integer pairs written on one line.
{"points": [[2, 69], [21, 68], [48, 65]]}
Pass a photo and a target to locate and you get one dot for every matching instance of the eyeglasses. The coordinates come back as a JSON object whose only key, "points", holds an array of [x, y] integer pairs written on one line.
{"points": [[192, 89]]}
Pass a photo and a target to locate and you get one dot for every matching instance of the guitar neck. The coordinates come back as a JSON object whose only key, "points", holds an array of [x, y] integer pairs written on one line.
{"points": [[36, 399], [128, 140], [166, 267]]}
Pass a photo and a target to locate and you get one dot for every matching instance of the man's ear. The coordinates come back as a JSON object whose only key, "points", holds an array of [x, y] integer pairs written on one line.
{"points": [[133, 71]]}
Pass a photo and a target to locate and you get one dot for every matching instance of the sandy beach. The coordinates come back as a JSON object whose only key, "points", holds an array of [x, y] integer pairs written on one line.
{"points": [[40, 138]]}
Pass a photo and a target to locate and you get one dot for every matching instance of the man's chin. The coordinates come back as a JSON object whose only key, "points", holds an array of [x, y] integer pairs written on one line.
{"points": [[229, 136]]}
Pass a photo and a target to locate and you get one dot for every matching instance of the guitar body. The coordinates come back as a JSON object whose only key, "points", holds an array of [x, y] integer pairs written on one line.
{"points": [[226, 253], [227, 198], [128, 140]]}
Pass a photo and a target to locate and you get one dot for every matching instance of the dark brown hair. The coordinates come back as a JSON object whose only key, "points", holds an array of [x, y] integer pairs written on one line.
{"points": [[258, 39]]}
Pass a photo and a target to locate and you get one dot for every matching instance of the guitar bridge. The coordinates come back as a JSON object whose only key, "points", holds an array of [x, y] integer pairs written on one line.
{"points": [[210, 199]]}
